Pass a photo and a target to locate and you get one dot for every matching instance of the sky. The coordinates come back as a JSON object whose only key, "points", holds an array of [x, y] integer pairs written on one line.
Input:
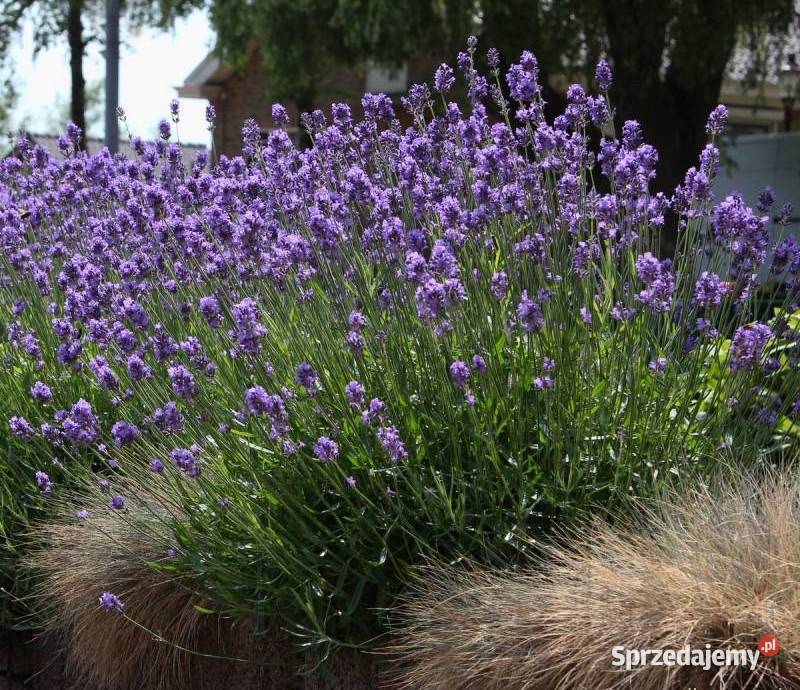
{"points": [[152, 64]]}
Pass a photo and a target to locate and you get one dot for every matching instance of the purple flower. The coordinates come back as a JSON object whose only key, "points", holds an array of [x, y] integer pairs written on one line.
{"points": [[43, 482], [81, 425], [748, 345], [116, 502], [306, 377], [279, 115], [111, 602], [155, 465], [138, 369], [530, 314], [444, 78], [391, 442], [717, 120], [186, 461], [709, 290], [659, 282], [738, 230], [257, 400], [355, 394], [22, 428], [82, 514], [249, 330], [356, 341], [478, 364], [602, 75], [103, 373], [766, 197], [658, 365], [430, 298], [182, 380], [351, 482], [459, 372], [522, 78], [164, 129], [209, 308], [356, 320], [41, 392], [124, 433], [169, 418], [135, 312], [326, 449]]}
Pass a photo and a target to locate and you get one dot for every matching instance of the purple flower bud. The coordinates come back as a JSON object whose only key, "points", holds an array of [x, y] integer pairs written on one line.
{"points": [[717, 120], [444, 78], [478, 364], [602, 75], [459, 372], [326, 449], [41, 392], [124, 433], [111, 602], [355, 394]]}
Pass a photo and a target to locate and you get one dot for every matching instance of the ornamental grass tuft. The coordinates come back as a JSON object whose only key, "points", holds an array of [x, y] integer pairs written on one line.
{"points": [[146, 629], [717, 567]]}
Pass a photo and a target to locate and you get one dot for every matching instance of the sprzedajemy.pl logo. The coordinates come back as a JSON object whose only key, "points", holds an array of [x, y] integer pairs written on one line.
{"points": [[705, 657]]}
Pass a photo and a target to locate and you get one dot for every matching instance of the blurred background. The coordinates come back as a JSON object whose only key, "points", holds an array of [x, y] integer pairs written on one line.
{"points": [[673, 60]]}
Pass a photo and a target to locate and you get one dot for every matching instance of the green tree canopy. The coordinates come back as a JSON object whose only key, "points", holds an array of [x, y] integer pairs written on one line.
{"points": [[669, 56]]}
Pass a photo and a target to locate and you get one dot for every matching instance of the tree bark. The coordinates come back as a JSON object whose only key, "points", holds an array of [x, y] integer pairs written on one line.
{"points": [[77, 47], [670, 98]]}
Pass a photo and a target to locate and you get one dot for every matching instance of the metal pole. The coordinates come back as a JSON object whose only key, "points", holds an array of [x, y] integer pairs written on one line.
{"points": [[112, 74]]}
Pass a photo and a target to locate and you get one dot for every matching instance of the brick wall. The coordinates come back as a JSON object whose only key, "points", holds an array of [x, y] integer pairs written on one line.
{"points": [[246, 95]]}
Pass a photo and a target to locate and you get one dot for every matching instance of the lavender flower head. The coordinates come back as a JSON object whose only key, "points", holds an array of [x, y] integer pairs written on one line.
{"points": [[111, 602], [43, 482], [326, 449], [748, 346], [459, 372], [356, 394], [603, 75], [41, 392], [717, 120]]}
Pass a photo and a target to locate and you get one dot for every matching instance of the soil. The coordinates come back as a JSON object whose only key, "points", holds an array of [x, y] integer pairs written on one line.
{"points": [[29, 662]]}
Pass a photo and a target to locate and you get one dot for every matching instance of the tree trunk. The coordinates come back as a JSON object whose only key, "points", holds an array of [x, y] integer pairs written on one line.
{"points": [[670, 101], [76, 51]]}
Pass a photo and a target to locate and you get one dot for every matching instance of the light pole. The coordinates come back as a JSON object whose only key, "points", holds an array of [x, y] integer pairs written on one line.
{"points": [[112, 75], [788, 80]]}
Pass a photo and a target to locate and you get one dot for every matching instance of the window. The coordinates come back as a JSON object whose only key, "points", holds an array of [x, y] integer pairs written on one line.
{"points": [[388, 80]]}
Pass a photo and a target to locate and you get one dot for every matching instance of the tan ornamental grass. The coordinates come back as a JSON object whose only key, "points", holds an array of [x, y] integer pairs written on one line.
{"points": [[714, 566], [74, 560]]}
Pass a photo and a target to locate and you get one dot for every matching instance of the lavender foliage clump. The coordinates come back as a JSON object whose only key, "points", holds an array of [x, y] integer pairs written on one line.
{"points": [[355, 343]]}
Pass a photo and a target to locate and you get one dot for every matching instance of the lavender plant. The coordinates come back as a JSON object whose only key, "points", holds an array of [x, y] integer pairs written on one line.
{"points": [[323, 364]]}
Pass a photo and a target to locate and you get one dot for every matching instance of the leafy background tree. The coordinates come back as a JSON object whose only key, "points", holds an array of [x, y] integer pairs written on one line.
{"points": [[80, 22]]}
